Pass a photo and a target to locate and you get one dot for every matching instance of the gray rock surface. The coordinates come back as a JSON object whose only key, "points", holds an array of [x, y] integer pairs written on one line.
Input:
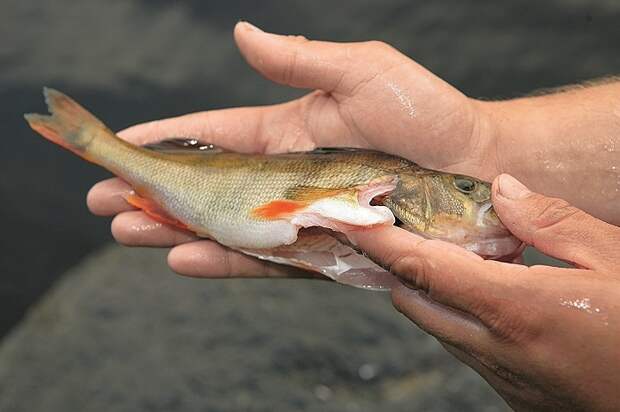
{"points": [[119, 333]]}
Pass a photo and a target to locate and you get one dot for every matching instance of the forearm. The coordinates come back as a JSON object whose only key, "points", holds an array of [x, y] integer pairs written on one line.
{"points": [[564, 144]]}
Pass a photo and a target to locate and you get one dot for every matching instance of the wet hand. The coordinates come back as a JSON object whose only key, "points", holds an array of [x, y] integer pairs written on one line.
{"points": [[365, 95], [545, 338]]}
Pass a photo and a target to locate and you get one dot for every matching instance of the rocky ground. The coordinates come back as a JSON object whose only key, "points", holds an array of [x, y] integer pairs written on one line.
{"points": [[119, 332]]}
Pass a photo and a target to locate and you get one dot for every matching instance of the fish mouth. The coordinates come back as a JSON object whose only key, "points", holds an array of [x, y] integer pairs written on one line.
{"points": [[484, 234], [498, 248], [493, 240]]}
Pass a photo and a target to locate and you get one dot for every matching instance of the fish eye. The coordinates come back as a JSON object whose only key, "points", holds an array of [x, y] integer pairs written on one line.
{"points": [[464, 184]]}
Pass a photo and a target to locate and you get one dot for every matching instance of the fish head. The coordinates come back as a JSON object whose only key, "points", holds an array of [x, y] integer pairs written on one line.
{"points": [[457, 209]]}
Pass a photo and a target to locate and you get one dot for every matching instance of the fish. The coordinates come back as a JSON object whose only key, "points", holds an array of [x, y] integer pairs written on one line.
{"points": [[291, 208]]}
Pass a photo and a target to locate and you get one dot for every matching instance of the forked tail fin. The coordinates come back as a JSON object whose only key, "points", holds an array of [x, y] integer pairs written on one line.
{"points": [[69, 125]]}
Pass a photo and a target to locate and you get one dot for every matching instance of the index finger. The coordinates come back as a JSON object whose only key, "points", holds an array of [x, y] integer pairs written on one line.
{"points": [[449, 274], [236, 129], [297, 125]]}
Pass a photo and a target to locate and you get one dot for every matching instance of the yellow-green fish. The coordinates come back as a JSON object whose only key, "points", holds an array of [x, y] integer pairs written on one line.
{"points": [[258, 203]]}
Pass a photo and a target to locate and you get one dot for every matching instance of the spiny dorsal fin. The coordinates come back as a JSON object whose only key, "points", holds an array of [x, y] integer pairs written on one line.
{"points": [[184, 145]]}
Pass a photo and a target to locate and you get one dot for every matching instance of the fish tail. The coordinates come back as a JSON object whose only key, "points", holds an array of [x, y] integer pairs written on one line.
{"points": [[69, 124]]}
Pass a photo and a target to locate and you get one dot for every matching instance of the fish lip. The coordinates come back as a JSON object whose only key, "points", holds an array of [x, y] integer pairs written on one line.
{"points": [[485, 235], [495, 247]]}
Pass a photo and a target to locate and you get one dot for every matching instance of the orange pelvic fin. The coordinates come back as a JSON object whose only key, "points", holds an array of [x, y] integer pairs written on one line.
{"points": [[153, 210]]}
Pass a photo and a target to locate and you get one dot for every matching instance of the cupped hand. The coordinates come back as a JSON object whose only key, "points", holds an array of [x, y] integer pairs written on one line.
{"points": [[545, 338], [365, 95]]}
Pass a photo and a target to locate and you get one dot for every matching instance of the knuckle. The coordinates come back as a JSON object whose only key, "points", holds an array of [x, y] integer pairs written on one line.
{"points": [[290, 67], [554, 211], [297, 38], [378, 45], [228, 265], [512, 323], [501, 369], [414, 270]]}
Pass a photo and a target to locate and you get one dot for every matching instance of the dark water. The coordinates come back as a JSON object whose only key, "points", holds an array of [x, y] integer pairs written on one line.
{"points": [[134, 61]]}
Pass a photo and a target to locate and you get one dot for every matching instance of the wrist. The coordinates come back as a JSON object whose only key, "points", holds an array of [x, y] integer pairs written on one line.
{"points": [[492, 131], [515, 131], [562, 145]]}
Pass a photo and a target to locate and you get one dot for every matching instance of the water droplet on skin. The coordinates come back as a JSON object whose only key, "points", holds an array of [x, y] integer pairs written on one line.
{"points": [[611, 193], [147, 227], [403, 98], [582, 304]]}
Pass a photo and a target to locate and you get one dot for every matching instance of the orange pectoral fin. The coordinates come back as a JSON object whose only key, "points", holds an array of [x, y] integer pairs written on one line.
{"points": [[277, 209], [296, 198], [153, 210]]}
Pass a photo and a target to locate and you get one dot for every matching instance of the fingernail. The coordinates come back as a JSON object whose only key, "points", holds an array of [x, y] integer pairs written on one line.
{"points": [[251, 27], [511, 188]]}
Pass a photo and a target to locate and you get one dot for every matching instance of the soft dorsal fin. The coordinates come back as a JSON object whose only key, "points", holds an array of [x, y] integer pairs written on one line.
{"points": [[184, 145], [328, 150], [191, 145]]}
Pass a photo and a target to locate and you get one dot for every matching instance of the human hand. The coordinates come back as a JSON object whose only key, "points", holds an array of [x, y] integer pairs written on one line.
{"points": [[367, 95], [545, 338]]}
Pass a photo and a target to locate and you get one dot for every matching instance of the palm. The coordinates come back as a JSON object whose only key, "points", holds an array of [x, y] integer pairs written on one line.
{"points": [[368, 95], [398, 111]]}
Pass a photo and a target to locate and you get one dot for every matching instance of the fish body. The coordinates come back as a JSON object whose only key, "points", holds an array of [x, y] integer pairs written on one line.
{"points": [[258, 203]]}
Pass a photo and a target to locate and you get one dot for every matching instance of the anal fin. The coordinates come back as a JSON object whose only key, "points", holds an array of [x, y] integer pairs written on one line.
{"points": [[153, 210]]}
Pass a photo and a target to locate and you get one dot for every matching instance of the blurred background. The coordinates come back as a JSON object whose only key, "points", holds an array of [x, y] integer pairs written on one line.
{"points": [[91, 326]]}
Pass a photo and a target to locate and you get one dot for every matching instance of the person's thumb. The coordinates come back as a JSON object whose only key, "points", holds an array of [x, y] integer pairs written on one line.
{"points": [[296, 61], [553, 226]]}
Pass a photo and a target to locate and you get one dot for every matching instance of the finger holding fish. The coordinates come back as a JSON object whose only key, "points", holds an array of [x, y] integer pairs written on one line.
{"points": [[447, 273], [207, 259], [196, 258], [107, 197], [136, 228], [301, 124]]}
